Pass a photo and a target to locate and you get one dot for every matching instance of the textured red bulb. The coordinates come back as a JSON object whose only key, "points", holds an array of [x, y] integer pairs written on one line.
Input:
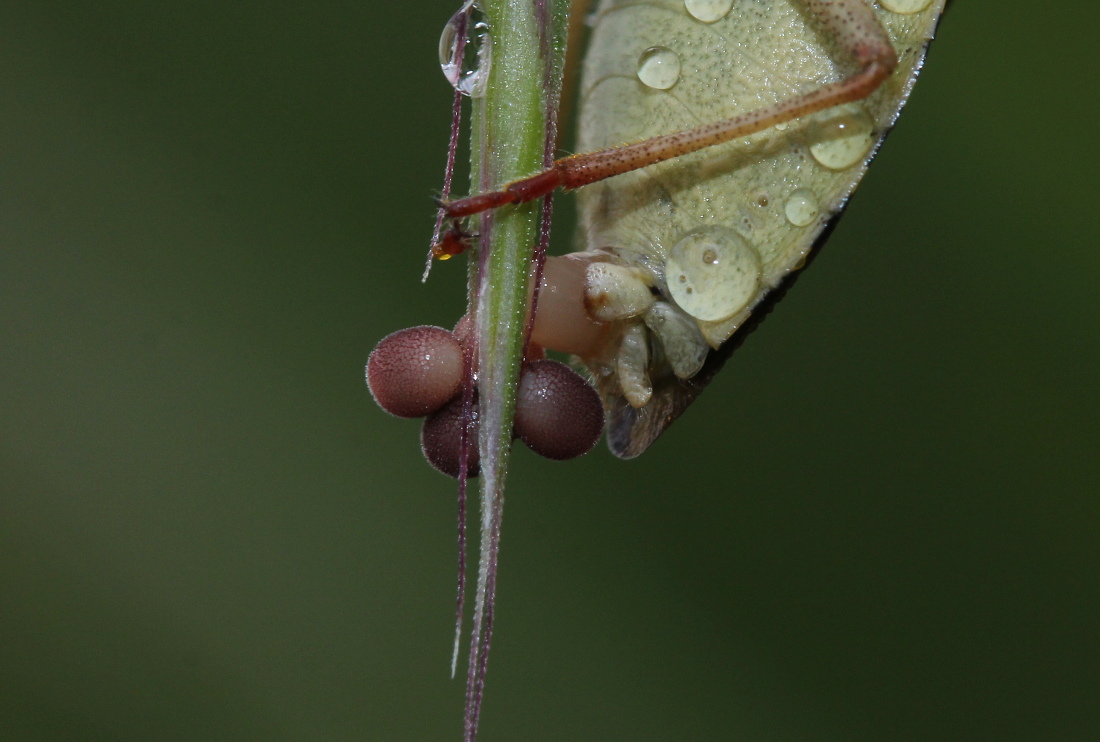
{"points": [[440, 439], [415, 371], [558, 414]]}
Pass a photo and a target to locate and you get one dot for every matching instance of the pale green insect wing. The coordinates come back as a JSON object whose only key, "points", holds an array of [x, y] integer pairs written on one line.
{"points": [[665, 65]]}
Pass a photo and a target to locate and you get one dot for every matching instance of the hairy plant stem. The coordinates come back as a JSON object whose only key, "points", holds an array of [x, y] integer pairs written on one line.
{"points": [[513, 133]]}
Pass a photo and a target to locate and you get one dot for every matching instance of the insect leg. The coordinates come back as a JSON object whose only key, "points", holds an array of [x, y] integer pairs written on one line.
{"points": [[851, 22]]}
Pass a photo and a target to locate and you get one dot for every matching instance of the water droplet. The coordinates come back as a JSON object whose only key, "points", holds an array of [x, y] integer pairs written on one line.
{"points": [[844, 138], [802, 207], [471, 76], [659, 67], [782, 126], [708, 11], [906, 6], [712, 289]]}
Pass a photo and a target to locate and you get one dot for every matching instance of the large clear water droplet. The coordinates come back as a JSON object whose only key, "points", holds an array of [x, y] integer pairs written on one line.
{"points": [[712, 273], [906, 7], [471, 75], [801, 207], [708, 11], [843, 138], [659, 67]]}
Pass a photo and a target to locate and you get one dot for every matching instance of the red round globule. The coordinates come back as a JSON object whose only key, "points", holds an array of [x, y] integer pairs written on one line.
{"points": [[558, 414], [414, 372], [419, 372], [441, 439]]}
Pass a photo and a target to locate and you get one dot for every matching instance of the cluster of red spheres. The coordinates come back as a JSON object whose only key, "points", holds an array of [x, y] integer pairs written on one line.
{"points": [[419, 372]]}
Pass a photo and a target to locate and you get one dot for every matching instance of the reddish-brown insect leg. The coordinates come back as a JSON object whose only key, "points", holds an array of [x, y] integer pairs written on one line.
{"points": [[517, 192], [851, 22]]}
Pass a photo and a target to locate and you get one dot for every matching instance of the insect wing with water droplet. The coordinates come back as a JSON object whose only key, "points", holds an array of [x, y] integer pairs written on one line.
{"points": [[721, 229]]}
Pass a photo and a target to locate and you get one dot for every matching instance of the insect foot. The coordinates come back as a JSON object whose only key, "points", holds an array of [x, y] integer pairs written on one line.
{"points": [[453, 241]]}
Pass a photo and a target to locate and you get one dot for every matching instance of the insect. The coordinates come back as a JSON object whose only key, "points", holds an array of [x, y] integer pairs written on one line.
{"points": [[751, 122], [720, 140]]}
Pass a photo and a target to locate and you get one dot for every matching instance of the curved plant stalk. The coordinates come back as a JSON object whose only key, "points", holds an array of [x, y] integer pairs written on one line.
{"points": [[514, 132]]}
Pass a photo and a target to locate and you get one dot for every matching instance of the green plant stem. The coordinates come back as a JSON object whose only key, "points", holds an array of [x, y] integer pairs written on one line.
{"points": [[509, 140]]}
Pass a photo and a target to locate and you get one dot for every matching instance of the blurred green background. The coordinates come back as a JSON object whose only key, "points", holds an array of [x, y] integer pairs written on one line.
{"points": [[880, 522]]}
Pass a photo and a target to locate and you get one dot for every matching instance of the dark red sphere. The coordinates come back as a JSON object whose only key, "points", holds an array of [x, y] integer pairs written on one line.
{"points": [[440, 439], [558, 414], [414, 372]]}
